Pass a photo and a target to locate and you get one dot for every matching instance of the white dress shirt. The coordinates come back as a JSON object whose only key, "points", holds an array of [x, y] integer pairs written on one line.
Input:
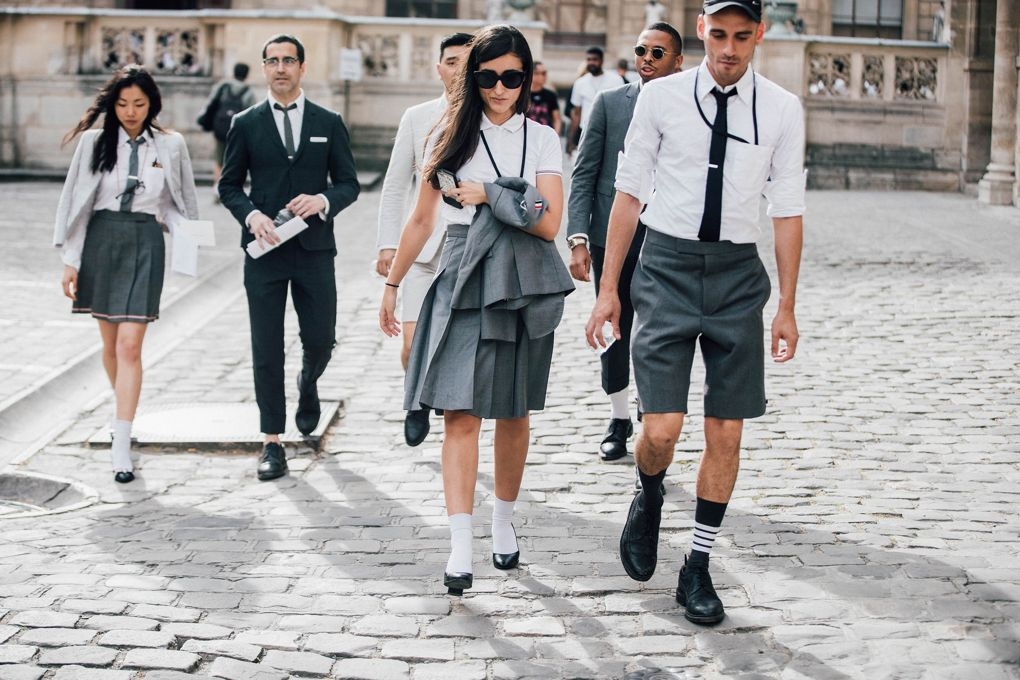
{"points": [[587, 86], [668, 143], [149, 194], [544, 157]]}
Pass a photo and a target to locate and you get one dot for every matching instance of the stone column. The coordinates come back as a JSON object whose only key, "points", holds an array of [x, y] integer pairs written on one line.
{"points": [[996, 187]]}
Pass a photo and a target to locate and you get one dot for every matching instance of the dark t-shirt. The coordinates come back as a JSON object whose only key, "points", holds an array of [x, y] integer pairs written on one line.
{"points": [[543, 103]]}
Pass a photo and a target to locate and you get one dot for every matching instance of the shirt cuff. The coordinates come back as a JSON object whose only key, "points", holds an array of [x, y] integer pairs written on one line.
{"points": [[247, 220], [325, 211]]}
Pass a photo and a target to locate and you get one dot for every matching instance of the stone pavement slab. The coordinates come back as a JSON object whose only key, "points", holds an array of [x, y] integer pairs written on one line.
{"points": [[872, 532]]}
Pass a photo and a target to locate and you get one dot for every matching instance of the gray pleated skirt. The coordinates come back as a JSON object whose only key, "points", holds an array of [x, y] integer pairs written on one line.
{"points": [[453, 367], [122, 264]]}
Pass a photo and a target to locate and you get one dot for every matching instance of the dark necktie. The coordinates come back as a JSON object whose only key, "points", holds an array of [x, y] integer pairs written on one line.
{"points": [[132, 176], [288, 131], [712, 217]]}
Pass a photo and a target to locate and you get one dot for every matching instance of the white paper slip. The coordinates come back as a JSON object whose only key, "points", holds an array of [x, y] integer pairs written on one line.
{"points": [[285, 231], [200, 231], [184, 254]]}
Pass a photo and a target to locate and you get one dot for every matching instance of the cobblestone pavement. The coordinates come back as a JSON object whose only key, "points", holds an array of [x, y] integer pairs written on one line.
{"points": [[871, 535]]}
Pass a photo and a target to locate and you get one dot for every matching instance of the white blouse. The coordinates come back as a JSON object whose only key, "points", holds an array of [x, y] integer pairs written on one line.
{"points": [[148, 196]]}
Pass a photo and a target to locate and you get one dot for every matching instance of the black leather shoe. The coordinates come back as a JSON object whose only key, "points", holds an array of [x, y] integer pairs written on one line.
{"points": [[124, 476], [639, 543], [507, 560], [457, 582], [308, 411], [273, 462], [416, 426], [695, 592], [614, 446]]}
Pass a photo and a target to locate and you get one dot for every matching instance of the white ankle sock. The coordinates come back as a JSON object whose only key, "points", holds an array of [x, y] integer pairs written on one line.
{"points": [[618, 404], [504, 539], [120, 451], [460, 544]]}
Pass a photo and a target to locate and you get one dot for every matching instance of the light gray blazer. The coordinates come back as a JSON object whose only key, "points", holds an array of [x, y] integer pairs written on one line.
{"points": [[592, 186], [81, 185]]}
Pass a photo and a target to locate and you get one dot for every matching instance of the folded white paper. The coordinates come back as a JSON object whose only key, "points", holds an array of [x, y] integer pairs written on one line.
{"points": [[285, 231], [201, 231], [184, 254]]}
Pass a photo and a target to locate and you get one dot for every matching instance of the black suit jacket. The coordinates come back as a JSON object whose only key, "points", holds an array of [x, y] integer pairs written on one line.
{"points": [[323, 165]]}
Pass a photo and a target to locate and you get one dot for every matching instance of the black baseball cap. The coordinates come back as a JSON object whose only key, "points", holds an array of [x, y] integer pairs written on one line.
{"points": [[752, 7]]}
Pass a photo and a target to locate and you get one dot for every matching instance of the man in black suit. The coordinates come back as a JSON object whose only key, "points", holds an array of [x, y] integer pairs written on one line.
{"points": [[298, 156], [658, 53]]}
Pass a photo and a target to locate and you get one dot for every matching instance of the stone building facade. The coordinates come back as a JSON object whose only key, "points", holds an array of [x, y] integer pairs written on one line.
{"points": [[897, 93]]}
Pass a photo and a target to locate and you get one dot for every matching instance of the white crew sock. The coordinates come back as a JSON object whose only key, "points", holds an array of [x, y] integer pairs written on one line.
{"points": [[460, 544], [120, 451], [618, 401], [504, 538]]}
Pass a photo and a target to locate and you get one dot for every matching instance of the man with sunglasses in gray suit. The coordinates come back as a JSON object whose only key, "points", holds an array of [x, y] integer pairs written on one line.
{"points": [[658, 53]]}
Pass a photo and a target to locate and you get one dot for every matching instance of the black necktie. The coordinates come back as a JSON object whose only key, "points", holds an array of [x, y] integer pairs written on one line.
{"points": [[711, 218], [288, 131], [132, 176]]}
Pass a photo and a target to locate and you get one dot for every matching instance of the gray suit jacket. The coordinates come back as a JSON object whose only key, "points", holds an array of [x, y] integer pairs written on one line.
{"points": [[592, 186]]}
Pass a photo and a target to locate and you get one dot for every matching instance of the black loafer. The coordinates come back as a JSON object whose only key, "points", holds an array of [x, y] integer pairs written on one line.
{"points": [[416, 426], [273, 462], [457, 582], [308, 411], [639, 543], [614, 446], [695, 592], [124, 476]]}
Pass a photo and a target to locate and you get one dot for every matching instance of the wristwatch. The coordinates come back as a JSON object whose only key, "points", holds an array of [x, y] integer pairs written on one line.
{"points": [[577, 240]]}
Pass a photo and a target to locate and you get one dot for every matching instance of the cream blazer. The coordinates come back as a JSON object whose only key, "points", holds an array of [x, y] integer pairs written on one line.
{"points": [[79, 193]]}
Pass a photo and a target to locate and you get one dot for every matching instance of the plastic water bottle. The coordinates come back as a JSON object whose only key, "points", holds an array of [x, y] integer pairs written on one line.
{"points": [[608, 337]]}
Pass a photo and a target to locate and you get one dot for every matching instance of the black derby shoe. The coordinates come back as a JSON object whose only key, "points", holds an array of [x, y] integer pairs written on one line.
{"points": [[614, 446], [308, 411], [124, 476], [695, 592], [273, 462], [639, 543], [416, 426], [457, 582]]}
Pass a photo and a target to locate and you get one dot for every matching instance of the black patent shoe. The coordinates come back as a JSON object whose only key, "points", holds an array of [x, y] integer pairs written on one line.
{"points": [[695, 592], [639, 543], [614, 446], [416, 426], [124, 476], [273, 462], [506, 561], [457, 582], [309, 410]]}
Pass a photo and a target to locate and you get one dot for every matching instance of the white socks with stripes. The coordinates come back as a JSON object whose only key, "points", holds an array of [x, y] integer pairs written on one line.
{"points": [[120, 451], [460, 544], [708, 517]]}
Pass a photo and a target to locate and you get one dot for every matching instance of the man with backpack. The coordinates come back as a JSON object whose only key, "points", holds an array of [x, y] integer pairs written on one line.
{"points": [[227, 98]]}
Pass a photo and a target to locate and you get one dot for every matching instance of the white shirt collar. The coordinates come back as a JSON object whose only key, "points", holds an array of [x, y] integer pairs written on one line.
{"points": [[300, 101], [745, 86], [513, 124], [122, 136]]}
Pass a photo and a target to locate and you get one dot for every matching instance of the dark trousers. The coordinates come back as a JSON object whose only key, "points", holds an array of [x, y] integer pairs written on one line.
{"points": [[311, 277], [616, 359]]}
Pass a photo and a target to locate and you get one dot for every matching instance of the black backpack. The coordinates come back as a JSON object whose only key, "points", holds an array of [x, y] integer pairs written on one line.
{"points": [[229, 103]]}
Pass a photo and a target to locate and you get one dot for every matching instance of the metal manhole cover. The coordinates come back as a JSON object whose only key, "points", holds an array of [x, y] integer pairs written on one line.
{"points": [[25, 494]]}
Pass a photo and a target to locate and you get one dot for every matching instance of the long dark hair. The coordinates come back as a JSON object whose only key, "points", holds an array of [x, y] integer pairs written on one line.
{"points": [[104, 156], [458, 139]]}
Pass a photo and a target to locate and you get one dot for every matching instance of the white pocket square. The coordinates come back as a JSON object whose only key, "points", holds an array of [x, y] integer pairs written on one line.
{"points": [[318, 139]]}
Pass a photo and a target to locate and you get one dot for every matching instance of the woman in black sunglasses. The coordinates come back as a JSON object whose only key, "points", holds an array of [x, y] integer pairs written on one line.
{"points": [[484, 339], [127, 180]]}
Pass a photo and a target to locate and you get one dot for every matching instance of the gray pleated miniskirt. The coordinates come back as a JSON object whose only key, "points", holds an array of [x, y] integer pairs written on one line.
{"points": [[122, 264]]}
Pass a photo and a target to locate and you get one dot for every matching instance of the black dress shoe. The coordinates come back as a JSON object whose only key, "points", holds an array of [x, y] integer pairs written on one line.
{"points": [[416, 426], [614, 446], [273, 462], [639, 543], [695, 592], [124, 476], [507, 560], [308, 411], [457, 582]]}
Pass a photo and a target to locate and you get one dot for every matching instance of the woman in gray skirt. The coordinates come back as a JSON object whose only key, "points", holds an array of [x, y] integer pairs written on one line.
{"points": [[128, 181], [484, 338]]}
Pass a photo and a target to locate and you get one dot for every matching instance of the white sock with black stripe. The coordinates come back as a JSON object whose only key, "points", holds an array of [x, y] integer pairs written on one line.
{"points": [[708, 517]]}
